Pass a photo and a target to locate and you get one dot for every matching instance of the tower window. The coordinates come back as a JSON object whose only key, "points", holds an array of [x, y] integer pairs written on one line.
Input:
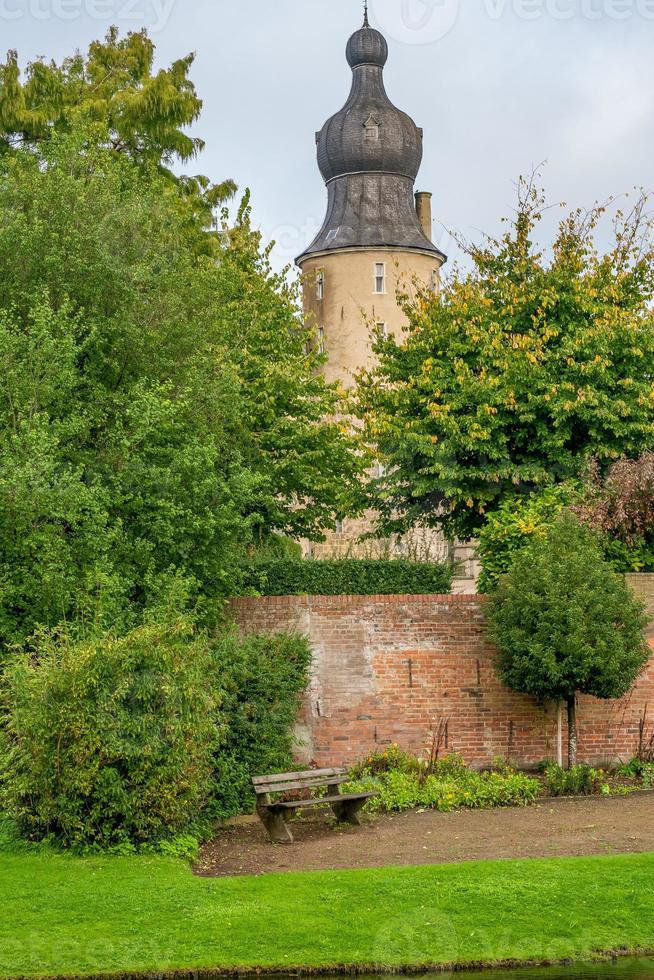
{"points": [[339, 527], [380, 277], [434, 281], [382, 330], [320, 286], [321, 340]]}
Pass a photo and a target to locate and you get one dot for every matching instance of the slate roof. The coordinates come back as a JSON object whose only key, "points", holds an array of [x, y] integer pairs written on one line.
{"points": [[369, 155]]}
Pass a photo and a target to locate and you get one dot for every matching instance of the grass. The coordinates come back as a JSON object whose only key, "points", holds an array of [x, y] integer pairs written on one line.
{"points": [[63, 915]]}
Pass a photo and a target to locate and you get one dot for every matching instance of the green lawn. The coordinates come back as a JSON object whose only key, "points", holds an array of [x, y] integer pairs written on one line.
{"points": [[63, 915]]}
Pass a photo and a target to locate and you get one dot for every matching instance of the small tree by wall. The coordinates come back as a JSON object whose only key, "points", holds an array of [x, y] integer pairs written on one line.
{"points": [[565, 623]]}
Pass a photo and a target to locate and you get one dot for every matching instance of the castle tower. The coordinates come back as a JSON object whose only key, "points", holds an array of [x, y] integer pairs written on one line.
{"points": [[376, 238], [377, 234]]}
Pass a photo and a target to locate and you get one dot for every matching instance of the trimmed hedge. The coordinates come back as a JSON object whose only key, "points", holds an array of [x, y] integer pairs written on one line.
{"points": [[349, 576]]}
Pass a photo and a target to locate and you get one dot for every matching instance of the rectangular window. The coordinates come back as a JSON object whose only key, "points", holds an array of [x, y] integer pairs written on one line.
{"points": [[321, 339], [382, 330], [320, 286], [434, 281], [380, 277], [339, 527]]}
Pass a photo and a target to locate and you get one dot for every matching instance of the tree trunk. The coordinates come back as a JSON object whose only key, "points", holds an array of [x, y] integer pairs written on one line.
{"points": [[572, 732]]}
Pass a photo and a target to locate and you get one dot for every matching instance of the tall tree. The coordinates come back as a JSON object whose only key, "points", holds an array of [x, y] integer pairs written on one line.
{"points": [[159, 410], [522, 370]]}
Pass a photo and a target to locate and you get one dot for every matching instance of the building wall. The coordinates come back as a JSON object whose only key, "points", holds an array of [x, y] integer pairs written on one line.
{"points": [[350, 303], [348, 309], [391, 668]]}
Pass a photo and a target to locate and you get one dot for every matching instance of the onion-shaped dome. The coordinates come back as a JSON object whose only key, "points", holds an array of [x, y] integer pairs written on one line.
{"points": [[367, 47], [369, 133], [369, 155]]}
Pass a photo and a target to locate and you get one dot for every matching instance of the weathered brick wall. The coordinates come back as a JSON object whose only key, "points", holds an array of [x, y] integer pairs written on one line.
{"points": [[390, 668]]}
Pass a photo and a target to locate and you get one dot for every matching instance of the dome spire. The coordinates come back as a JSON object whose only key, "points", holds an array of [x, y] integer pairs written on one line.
{"points": [[365, 14]]}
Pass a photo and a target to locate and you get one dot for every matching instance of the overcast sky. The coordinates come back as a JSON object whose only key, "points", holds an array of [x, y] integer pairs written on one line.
{"points": [[497, 85]]}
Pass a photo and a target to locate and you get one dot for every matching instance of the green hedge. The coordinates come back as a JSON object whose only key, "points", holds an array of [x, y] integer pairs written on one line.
{"points": [[348, 577]]}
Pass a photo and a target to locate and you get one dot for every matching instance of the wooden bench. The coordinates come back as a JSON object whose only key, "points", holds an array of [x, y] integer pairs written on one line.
{"points": [[274, 813]]}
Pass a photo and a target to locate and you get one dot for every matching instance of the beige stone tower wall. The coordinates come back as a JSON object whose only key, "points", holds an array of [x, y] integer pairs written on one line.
{"points": [[342, 302]]}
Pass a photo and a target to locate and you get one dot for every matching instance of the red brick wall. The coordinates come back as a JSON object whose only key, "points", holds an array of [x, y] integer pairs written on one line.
{"points": [[390, 668]]}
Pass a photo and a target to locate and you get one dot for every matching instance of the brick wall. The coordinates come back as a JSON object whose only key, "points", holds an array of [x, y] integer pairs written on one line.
{"points": [[390, 668]]}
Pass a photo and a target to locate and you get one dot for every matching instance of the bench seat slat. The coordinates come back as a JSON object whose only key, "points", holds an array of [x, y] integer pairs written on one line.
{"points": [[339, 798], [285, 787], [285, 777]]}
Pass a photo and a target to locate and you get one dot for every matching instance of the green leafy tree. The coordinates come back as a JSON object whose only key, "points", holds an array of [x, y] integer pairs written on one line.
{"points": [[522, 370], [160, 411], [566, 624], [125, 104]]}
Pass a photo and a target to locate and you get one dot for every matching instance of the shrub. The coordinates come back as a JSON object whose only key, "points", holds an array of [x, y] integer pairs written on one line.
{"points": [[620, 505], [404, 782], [516, 522], [262, 679], [109, 742], [576, 781], [348, 576], [565, 623]]}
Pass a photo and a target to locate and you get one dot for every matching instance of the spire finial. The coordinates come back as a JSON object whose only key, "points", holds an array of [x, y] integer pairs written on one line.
{"points": [[365, 13]]}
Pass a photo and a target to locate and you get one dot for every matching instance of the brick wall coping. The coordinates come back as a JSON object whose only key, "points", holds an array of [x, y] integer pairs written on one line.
{"points": [[349, 600]]}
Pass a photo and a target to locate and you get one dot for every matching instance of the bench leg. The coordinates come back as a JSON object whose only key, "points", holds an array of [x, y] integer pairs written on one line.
{"points": [[275, 823], [348, 812]]}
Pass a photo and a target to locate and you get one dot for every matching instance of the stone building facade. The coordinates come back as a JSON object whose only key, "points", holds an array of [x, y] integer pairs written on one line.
{"points": [[376, 240]]}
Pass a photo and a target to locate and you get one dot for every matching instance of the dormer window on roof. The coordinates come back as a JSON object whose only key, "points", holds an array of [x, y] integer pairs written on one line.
{"points": [[371, 128]]}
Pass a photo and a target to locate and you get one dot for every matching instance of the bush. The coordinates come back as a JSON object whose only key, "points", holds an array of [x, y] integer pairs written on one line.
{"points": [[576, 781], [513, 525], [404, 782], [565, 623], [349, 576], [109, 742], [262, 679]]}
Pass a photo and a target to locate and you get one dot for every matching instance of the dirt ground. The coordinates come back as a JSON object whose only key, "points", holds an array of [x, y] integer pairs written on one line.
{"points": [[566, 827]]}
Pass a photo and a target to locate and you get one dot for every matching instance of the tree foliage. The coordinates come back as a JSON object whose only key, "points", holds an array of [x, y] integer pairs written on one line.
{"points": [[621, 507], [517, 521], [523, 369], [125, 104], [565, 623], [160, 410]]}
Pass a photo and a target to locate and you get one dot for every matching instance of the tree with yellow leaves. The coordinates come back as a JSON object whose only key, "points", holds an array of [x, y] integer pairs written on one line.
{"points": [[521, 371]]}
